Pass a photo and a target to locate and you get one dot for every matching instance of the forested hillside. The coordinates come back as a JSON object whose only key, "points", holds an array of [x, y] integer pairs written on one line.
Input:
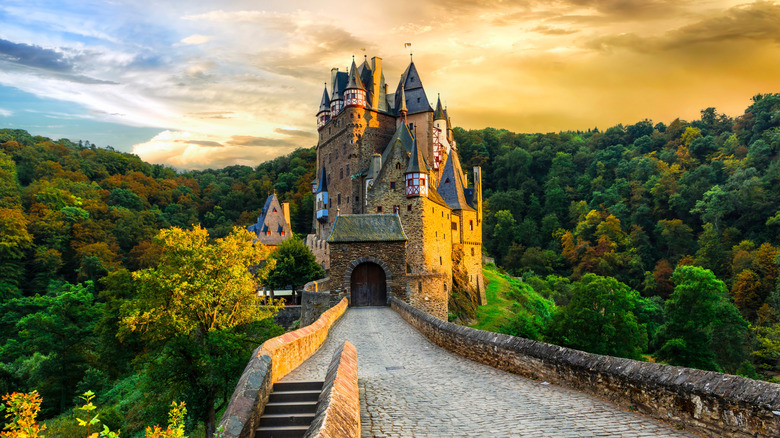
{"points": [[634, 202], [643, 241], [75, 220]]}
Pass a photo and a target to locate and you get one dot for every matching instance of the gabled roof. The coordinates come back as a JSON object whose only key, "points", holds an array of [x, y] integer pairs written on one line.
{"points": [[417, 162], [354, 79], [272, 219], [325, 103], [451, 186], [367, 228], [323, 184], [366, 74], [401, 135], [439, 114], [416, 100], [339, 84]]}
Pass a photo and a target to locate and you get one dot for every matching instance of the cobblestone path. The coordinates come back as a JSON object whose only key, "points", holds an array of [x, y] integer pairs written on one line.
{"points": [[410, 387]]}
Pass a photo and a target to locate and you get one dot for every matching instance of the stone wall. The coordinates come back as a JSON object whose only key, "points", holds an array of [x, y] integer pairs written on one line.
{"points": [[319, 248], [708, 403], [390, 256], [314, 304], [338, 411], [287, 315], [269, 363]]}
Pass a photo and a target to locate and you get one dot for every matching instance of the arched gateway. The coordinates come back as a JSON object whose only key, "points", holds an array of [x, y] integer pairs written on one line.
{"points": [[368, 285]]}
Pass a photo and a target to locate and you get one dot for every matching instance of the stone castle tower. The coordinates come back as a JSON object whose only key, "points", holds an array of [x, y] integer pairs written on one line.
{"points": [[382, 153]]}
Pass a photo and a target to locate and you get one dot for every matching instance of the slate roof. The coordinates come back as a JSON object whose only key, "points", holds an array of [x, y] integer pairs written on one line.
{"points": [[339, 84], [415, 98], [367, 228], [322, 186], [403, 135], [439, 114], [354, 78], [452, 187], [417, 162], [271, 218], [325, 103]]}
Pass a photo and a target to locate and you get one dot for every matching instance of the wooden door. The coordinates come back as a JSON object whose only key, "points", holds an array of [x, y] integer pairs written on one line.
{"points": [[368, 285]]}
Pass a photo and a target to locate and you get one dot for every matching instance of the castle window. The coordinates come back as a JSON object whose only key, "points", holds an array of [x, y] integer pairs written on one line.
{"points": [[397, 165], [274, 209], [418, 100], [455, 226], [445, 287], [408, 269], [268, 233], [330, 158], [339, 198], [396, 209], [347, 170], [441, 262], [411, 127], [471, 228], [419, 286], [282, 233], [379, 209], [347, 200], [392, 184], [446, 180], [472, 251], [357, 199], [341, 173], [344, 149]]}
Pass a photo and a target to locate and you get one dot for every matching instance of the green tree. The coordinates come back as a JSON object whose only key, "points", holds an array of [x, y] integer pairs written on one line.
{"points": [[293, 265], [703, 328], [198, 310], [600, 319]]}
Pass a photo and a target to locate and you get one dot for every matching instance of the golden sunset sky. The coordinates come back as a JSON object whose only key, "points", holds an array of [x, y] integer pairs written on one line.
{"points": [[206, 84]]}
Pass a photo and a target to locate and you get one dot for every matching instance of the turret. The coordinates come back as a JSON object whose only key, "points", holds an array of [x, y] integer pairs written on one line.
{"points": [[323, 115], [416, 173], [355, 92], [336, 95], [321, 201], [440, 144]]}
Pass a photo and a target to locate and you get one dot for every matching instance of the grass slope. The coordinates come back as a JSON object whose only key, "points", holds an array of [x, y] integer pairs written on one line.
{"points": [[507, 299]]}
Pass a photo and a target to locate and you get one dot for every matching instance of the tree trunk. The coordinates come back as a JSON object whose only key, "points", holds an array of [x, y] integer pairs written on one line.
{"points": [[211, 419], [272, 294]]}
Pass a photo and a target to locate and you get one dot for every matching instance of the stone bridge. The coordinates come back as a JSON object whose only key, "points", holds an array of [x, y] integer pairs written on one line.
{"points": [[411, 387]]}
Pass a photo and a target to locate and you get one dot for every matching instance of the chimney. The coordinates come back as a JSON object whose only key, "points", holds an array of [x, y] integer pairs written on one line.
{"points": [[376, 68], [286, 212]]}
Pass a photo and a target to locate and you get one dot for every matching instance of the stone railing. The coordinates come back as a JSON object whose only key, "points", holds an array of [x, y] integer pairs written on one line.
{"points": [[338, 411], [269, 363], [708, 403]]}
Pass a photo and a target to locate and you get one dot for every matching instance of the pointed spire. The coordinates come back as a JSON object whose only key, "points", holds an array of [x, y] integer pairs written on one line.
{"points": [[439, 114], [417, 162], [403, 109], [323, 186], [325, 103], [354, 78]]}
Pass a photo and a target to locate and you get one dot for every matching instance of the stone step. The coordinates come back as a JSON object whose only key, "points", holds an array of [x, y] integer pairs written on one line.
{"points": [[297, 386], [294, 396], [297, 419], [281, 432], [290, 408]]}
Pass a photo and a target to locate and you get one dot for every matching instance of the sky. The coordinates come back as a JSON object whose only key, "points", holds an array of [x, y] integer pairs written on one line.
{"points": [[196, 84]]}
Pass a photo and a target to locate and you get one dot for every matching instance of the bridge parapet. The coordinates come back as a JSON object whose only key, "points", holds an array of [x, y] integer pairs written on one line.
{"points": [[268, 364], [709, 403], [338, 411]]}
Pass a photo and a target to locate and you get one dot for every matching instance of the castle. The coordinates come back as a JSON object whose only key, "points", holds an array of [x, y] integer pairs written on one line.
{"points": [[394, 213]]}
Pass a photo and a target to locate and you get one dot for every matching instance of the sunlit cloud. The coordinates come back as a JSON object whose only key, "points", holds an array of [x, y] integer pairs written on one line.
{"points": [[6, 113], [241, 83]]}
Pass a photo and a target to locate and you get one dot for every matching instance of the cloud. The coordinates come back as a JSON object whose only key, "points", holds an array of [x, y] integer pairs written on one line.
{"points": [[6, 113], [547, 30], [632, 9], [295, 132], [745, 23], [34, 56], [251, 141], [189, 150], [196, 39]]}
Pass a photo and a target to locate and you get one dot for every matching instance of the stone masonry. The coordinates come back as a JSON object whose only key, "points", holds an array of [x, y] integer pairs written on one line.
{"points": [[409, 387]]}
